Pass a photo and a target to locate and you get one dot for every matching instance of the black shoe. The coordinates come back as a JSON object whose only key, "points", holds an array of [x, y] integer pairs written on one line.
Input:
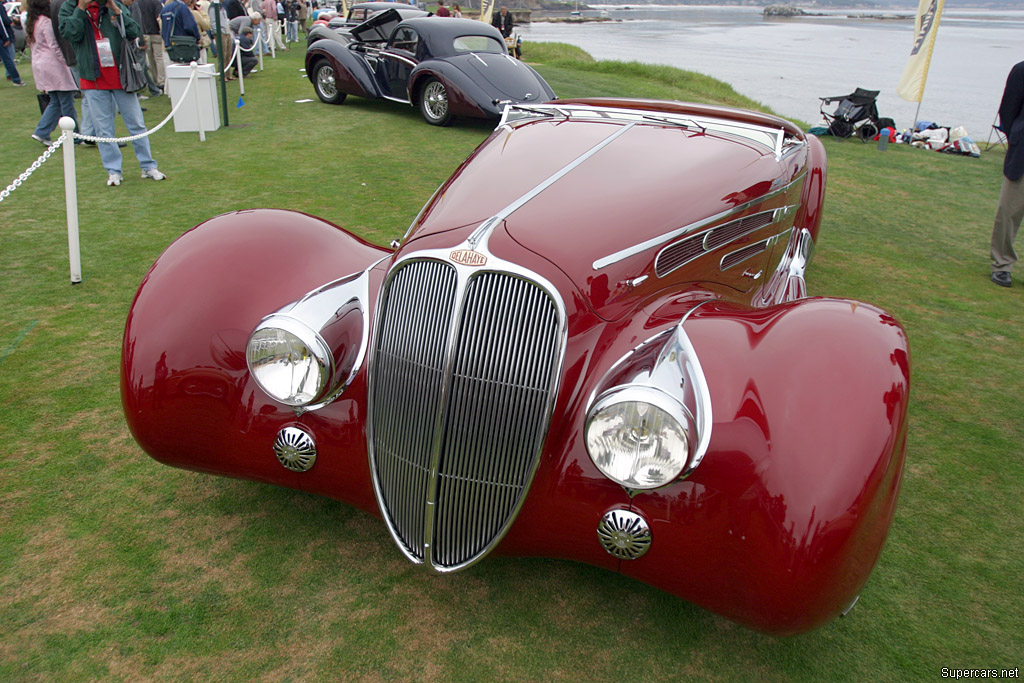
{"points": [[1002, 278], [125, 144]]}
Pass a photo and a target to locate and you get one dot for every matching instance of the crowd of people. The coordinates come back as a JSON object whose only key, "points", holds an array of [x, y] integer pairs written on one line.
{"points": [[76, 48]]}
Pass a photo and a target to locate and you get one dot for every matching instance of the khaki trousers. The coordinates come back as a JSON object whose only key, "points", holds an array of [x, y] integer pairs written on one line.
{"points": [[157, 58], [1009, 214]]}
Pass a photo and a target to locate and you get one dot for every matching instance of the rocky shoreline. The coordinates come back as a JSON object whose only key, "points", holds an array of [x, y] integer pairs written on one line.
{"points": [[794, 11]]}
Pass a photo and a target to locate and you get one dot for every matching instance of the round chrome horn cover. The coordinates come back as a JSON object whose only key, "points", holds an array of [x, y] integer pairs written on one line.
{"points": [[295, 449], [624, 534]]}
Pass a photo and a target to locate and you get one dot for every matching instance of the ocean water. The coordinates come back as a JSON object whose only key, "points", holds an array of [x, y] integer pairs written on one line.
{"points": [[787, 64]]}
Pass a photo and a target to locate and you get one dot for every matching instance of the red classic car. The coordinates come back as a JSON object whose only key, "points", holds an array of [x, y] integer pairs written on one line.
{"points": [[608, 356]]}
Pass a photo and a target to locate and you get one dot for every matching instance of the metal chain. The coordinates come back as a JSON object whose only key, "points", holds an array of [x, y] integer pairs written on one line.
{"points": [[4, 194]]}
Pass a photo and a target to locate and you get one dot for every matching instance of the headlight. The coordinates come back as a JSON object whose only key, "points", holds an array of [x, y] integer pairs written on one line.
{"points": [[289, 361], [638, 437]]}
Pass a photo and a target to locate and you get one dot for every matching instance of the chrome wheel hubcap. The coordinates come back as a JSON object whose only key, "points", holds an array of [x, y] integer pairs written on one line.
{"points": [[325, 82], [436, 100]]}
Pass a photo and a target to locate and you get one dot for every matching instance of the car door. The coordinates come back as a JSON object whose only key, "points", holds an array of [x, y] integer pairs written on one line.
{"points": [[398, 60]]}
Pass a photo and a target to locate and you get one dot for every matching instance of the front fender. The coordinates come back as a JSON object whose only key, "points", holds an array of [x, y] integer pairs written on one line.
{"points": [[352, 75], [186, 391], [465, 97], [782, 523]]}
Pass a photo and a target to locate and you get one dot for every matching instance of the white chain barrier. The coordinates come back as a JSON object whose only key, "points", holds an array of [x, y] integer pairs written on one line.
{"points": [[5, 193]]}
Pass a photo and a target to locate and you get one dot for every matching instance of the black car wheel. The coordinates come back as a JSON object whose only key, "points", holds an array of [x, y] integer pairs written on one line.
{"points": [[325, 85], [434, 103]]}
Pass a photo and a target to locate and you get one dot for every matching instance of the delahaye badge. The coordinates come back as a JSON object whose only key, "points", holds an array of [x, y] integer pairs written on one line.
{"points": [[468, 257]]}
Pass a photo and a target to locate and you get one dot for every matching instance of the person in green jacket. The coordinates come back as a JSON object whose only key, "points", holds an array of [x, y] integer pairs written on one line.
{"points": [[92, 28]]}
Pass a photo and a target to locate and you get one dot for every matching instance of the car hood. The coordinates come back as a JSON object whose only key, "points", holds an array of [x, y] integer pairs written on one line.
{"points": [[649, 182], [505, 75]]}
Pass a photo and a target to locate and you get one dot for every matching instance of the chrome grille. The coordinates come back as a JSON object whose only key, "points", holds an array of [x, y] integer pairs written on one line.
{"points": [[408, 373], [467, 425]]}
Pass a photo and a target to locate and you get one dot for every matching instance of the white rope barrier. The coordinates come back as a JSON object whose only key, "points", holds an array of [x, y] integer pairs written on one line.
{"points": [[150, 131]]}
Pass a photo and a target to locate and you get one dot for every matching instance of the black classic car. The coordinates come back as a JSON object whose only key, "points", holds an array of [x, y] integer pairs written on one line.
{"points": [[446, 67]]}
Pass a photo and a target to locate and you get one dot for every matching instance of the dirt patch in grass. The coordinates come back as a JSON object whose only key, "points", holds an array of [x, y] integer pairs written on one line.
{"points": [[43, 580]]}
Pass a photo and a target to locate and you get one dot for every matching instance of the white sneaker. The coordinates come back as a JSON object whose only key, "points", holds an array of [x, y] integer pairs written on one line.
{"points": [[114, 179], [154, 174]]}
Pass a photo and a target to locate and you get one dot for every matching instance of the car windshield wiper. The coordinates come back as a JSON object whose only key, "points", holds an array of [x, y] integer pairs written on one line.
{"points": [[525, 111], [683, 123]]}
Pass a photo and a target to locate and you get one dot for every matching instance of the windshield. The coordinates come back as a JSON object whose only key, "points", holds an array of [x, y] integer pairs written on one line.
{"points": [[478, 44]]}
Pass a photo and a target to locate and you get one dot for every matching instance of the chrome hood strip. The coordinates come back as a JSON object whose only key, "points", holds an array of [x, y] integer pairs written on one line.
{"points": [[479, 237]]}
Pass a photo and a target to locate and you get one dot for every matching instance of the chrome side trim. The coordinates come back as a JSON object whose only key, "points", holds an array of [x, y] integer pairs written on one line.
{"points": [[756, 221], [679, 367], [676, 373], [787, 283], [482, 233], [399, 58], [316, 311], [692, 227]]}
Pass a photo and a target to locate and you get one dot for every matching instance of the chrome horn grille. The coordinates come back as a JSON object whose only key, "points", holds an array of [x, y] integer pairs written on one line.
{"points": [[463, 380]]}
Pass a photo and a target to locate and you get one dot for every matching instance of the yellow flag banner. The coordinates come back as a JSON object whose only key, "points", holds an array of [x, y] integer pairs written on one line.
{"points": [[926, 25], [486, 10]]}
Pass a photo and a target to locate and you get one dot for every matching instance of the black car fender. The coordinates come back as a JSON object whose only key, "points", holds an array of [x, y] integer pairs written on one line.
{"points": [[466, 97], [351, 72]]}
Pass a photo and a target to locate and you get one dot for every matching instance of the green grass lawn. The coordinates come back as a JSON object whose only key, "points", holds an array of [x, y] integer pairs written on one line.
{"points": [[115, 567]]}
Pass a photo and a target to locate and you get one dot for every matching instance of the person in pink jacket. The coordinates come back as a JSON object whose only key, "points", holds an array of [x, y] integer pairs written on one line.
{"points": [[51, 73]]}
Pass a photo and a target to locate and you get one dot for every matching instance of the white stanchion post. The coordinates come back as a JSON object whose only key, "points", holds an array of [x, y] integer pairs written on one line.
{"points": [[273, 53], [67, 124], [199, 109], [259, 47], [241, 78]]}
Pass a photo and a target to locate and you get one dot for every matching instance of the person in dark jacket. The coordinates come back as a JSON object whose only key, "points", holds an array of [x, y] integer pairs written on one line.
{"points": [[234, 8], [176, 20], [94, 34], [7, 47], [503, 22], [1010, 210]]}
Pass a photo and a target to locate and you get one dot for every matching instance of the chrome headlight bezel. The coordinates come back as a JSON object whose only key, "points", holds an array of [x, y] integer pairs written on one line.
{"points": [[681, 421], [665, 372], [313, 344]]}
